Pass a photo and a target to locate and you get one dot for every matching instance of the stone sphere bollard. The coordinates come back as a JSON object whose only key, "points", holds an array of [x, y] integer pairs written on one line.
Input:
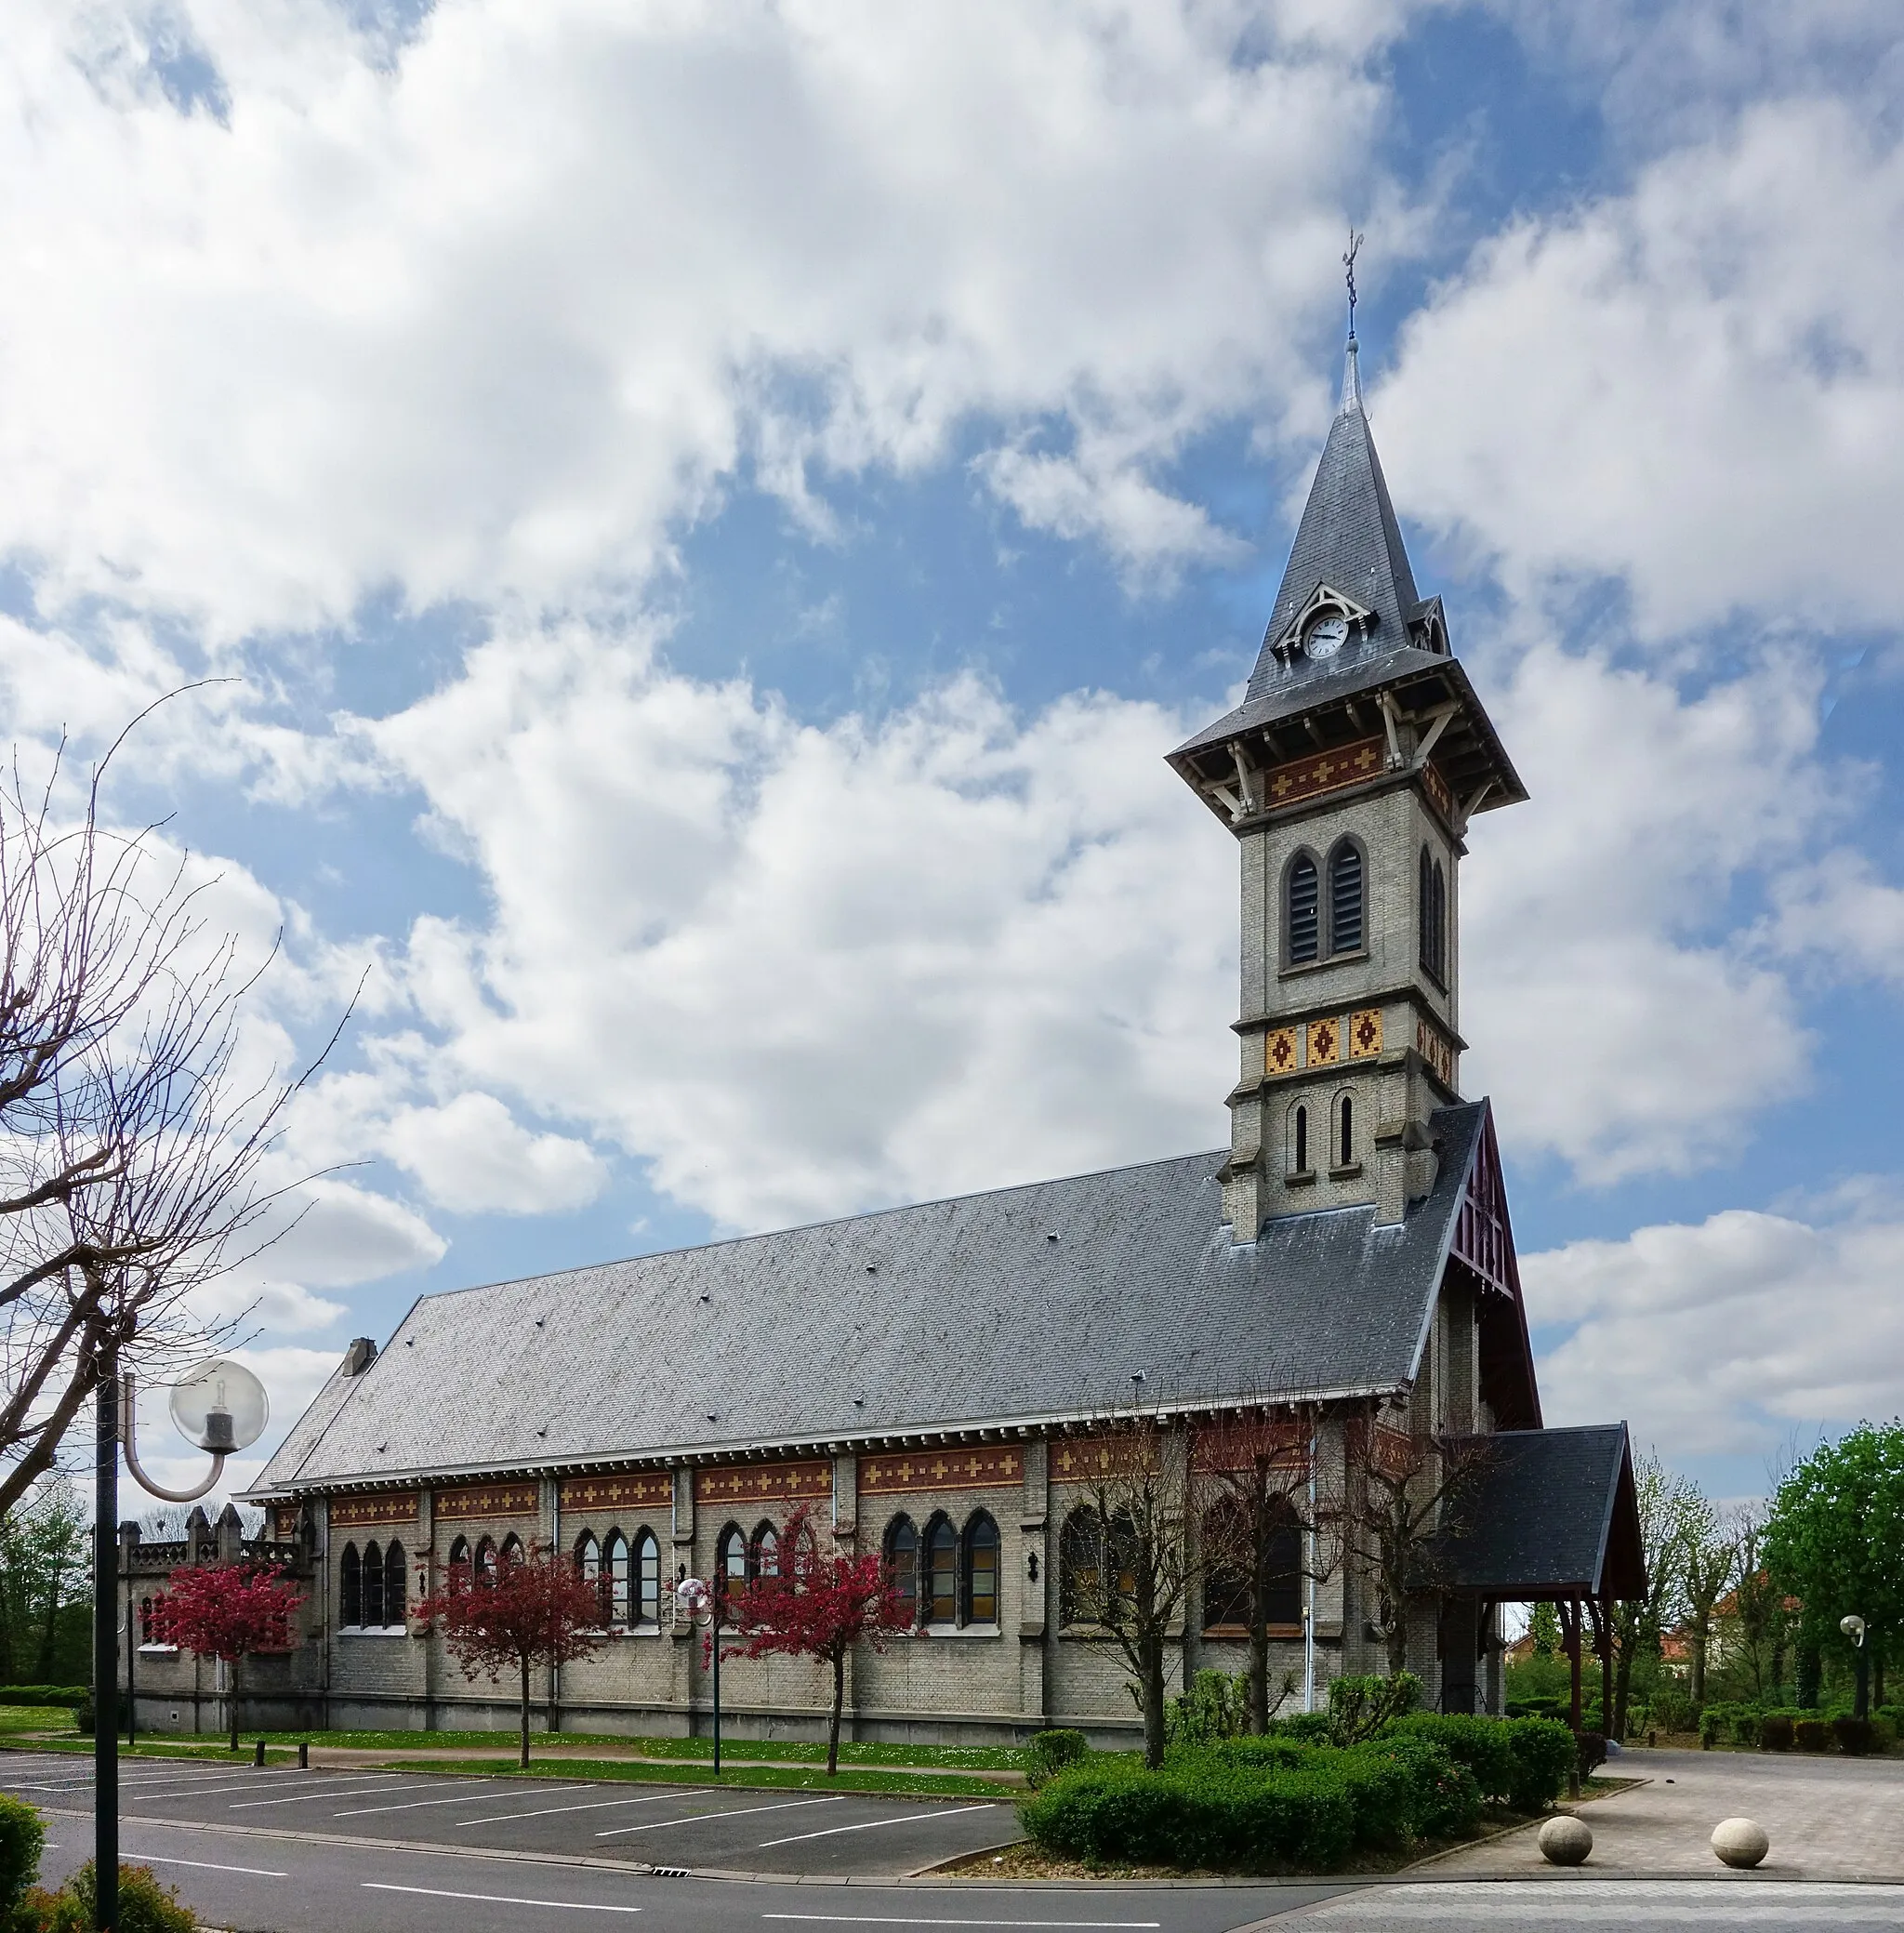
{"points": [[1741, 1842], [1564, 1840]]}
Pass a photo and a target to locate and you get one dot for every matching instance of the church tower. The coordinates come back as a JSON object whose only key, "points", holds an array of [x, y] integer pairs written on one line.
{"points": [[1348, 776]]}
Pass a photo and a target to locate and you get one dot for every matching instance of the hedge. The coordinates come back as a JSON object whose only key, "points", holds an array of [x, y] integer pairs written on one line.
{"points": [[145, 1906], [21, 1835], [1520, 1763], [44, 1694]]}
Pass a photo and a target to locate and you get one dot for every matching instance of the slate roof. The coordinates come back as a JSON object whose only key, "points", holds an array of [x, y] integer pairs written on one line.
{"points": [[1554, 1513], [948, 1314]]}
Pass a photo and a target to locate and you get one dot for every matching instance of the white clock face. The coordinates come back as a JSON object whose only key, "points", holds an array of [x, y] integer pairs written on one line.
{"points": [[1326, 635]]}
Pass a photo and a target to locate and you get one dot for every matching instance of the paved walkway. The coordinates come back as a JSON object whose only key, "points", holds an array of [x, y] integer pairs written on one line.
{"points": [[1829, 1819]]}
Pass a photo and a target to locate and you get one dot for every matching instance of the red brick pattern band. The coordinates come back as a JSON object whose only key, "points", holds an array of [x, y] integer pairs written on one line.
{"points": [[379, 1507], [989, 1467], [1325, 771], [639, 1489], [488, 1499], [763, 1483]]}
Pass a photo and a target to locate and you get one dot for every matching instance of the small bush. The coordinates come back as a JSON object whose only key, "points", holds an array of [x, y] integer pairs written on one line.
{"points": [[1309, 1728], [1359, 1707], [1745, 1727], [1480, 1744], [41, 1694], [1775, 1732], [21, 1835], [1442, 1796], [1712, 1726], [1812, 1734], [1211, 1709], [1543, 1753], [1855, 1736], [145, 1906], [1051, 1752], [1591, 1747]]}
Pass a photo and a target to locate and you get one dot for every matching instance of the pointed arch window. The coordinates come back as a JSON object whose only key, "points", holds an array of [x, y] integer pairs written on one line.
{"points": [[1432, 904], [942, 1573], [1282, 1568], [1345, 909], [647, 1580], [485, 1562], [614, 1570], [1226, 1567], [1301, 924], [371, 1586], [730, 1559], [902, 1560], [1299, 1140], [1080, 1565], [512, 1549], [460, 1554], [589, 1568], [981, 1571], [766, 1551], [350, 1594], [1344, 1130], [396, 1583]]}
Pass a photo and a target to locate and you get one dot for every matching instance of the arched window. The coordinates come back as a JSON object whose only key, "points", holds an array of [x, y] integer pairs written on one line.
{"points": [[942, 1573], [1432, 909], [1226, 1567], [1282, 1565], [1301, 928], [614, 1570], [396, 1584], [647, 1579], [731, 1559], [512, 1549], [1080, 1563], [902, 1559], [1344, 1130], [766, 1551], [589, 1568], [1346, 898], [1298, 1141], [981, 1571], [350, 1607], [459, 1553], [485, 1562], [373, 1585]]}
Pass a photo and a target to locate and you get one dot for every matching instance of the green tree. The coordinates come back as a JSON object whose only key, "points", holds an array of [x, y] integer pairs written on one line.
{"points": [[1543, 1627], [1835, 1540], [1637, 1622], [1706, 1557], [1756, 1627], [42, 1560]]}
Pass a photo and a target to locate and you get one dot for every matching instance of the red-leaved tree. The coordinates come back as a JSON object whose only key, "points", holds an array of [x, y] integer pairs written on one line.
{"points": [[533, 1609], [819, 1607], [226, 1611]]}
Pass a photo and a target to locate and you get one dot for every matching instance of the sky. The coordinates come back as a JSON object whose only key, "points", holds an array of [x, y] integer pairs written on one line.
{"points": [[691, 527]]}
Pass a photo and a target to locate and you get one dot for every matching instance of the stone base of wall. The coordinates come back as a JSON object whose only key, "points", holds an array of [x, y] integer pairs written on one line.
{"points": [[209, 1715]]}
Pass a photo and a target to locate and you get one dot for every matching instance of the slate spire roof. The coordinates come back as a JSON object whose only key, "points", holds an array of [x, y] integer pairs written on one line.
{"points": [[1348, 539]]}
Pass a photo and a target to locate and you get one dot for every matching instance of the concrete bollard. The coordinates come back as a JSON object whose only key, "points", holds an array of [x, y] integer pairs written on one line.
{"points": [[1564, 1840], [303, 1754], [257, 1752], [1741, 1842]]}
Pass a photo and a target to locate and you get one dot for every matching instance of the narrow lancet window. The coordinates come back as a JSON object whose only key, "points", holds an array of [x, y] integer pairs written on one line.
{"points": [[1305, 932], [1346, 898]]}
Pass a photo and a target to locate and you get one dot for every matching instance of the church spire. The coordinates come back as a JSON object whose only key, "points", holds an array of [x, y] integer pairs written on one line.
{"points": [[1351, 383]]}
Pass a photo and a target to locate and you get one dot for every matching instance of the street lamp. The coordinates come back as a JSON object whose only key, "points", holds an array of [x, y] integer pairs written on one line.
{"points": [[1853, 1628], [220, 1406], [701, 1604]]}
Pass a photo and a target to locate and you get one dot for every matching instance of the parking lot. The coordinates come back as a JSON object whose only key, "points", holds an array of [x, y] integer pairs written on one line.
{"points": [[696, 1828]]}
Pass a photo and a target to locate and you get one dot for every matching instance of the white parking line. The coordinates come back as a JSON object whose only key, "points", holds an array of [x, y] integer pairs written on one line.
{"points": [[483, 1791], [496, 1898], [318, 1793], [594, 1806], [913, 1919], [187, 1792], [904, 1819], [154, 1858], [657, 1825]]}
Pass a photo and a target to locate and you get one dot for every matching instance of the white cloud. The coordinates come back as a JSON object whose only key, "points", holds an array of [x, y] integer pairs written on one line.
{"points": [[488, 319], [1697, 388], [471, 1157], [1840, 919], [1727, 1335]]}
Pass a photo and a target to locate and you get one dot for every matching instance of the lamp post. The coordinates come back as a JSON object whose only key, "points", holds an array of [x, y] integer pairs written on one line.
{"points": [[702, 1604], [221, 1407], [1853, 1628]]}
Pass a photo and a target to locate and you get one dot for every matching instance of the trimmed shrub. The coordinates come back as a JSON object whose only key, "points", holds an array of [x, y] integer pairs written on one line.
{"points": [[1713, 1725], [1211, 1709], [1775, 1732], [21, 1834], [1592, 1753], [1359, 1707], [1812, 1735], [41, 1694], [1855, 1736], [1311, 1728], [1480, 1744], [1403, 1787], [145, 1906], [1051, 1752], [1543, 1753], [1443, 1796]]}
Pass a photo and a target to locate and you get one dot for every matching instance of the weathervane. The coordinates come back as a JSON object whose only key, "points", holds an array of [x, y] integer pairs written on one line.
{"points": [[1349, 263]]}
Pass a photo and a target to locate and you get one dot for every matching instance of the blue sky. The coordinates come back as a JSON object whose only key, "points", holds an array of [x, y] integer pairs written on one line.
{"points": [[717, 514]]}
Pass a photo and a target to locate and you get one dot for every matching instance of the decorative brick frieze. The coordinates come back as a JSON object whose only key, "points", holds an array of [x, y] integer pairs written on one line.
{"points": [[285, 1521], [1364, 1034], [1432, 1045], [486, 1500], [988, 1467], [763, 1483], [1324, 772], [1235, 1446], [639, 1489], [1086, 1459], [379, 1507], [1325, 1043]]}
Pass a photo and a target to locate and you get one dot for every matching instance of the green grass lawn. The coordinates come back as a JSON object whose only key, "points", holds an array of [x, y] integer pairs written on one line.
{"points": [[35, 1718]]}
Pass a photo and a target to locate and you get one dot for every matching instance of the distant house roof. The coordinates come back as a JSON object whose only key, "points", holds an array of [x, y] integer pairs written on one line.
{"points": [[1026, 1303], [1553, 1513]]}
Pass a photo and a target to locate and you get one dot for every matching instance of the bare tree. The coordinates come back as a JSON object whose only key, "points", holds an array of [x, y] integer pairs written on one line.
{"points": [[130, 1144], [1270, 1524], [1636, 1624], [1708, 1560], [1406, 1497], [1127, 1556]]}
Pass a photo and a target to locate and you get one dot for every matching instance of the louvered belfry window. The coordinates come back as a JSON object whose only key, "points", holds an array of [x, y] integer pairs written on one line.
{"points": [[1346, 899], [1304, 926]]}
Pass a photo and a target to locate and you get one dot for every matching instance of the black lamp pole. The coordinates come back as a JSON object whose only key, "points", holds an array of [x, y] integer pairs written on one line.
{"points": [[106, 1655]]}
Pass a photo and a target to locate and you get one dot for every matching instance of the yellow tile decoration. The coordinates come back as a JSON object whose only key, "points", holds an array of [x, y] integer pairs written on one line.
{"points": [[1280, 1055], [1433, 1049], [1324, 1042], [1365, 1033]]}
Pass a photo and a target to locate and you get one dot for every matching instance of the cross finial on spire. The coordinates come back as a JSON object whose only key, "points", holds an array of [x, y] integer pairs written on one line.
{"points": [[1355, 250]]}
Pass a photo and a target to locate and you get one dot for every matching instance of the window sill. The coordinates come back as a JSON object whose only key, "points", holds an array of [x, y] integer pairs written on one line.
{"points": [[372, 1631], [1239, 1633], [1302, 1178], [1347, 1171], [941, 1631], [1317, 966], [158, 1650]]}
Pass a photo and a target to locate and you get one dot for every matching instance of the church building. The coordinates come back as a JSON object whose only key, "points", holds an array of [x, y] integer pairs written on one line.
{"points": [[933, 1382]]}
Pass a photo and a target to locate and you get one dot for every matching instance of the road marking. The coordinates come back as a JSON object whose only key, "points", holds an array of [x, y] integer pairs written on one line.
{"points": [[481, 1792], [181, 1792], [319, 1792], [594, 1806], [913, 1919], [496, 1898], [655, 1825], [908, 1819], [154, 1858]]}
